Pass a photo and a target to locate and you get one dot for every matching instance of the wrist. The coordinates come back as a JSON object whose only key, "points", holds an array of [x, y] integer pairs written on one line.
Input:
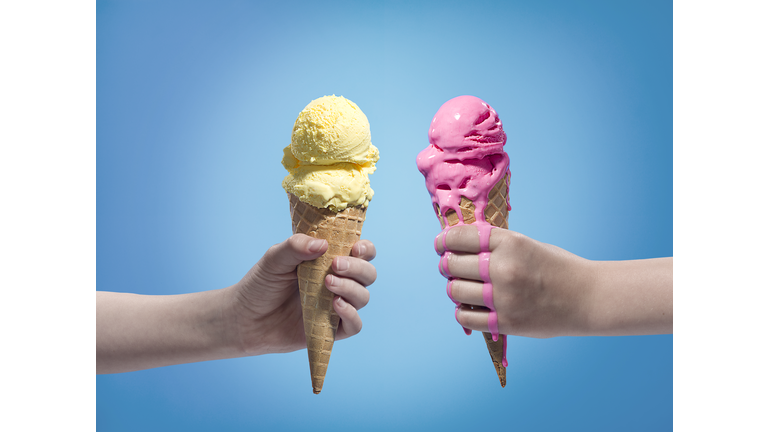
{"points": [[230, 323], [572, 281], [588, 317], [635, 297], [137, 332], [208, 322], [247, 329]]}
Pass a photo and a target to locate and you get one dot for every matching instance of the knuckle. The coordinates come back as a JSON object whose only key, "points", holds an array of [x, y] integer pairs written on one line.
{"points": [[271, 252], [457, 289], [518, 274], [468, 234], [357, 327], [370, 250], [363, 271], [295, 241], [461, 317], [510, 272], [517, 241]]}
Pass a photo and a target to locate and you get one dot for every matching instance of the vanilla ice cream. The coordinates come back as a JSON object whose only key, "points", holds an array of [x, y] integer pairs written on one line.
{"points": [[330, 155]]}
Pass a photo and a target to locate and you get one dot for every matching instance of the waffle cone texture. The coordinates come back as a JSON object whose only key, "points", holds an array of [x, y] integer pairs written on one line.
{"points": [[497, 214], [341, 230]]}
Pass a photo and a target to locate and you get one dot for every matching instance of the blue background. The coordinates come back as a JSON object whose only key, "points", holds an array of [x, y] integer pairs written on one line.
{"points": [[195, 102]]}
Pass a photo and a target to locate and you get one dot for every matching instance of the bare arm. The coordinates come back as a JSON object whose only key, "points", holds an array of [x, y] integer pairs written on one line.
{"points": [[632, 297], [260, 314], [540, 290], [136, 332]]}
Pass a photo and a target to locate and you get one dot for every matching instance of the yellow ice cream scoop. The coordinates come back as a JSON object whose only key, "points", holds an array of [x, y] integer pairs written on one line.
{"points": [[333, 129], [330, 155]]}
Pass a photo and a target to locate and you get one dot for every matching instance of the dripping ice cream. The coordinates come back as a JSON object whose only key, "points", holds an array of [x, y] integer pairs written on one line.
{"points": [[467, 176], [466, 153]]}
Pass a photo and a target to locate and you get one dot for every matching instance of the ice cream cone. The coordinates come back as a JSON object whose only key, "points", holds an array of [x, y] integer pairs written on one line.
{"points": [[496, 213], [341, 230]]}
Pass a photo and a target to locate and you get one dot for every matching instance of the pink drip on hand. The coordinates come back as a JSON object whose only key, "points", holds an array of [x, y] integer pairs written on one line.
{"points": [[444, 266], [449, 289], [493, 319], [484, 231]]}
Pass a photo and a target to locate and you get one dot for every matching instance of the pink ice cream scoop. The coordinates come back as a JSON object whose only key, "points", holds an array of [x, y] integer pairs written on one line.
{"points": [[466, 158], [466, 154], [468, 128]]}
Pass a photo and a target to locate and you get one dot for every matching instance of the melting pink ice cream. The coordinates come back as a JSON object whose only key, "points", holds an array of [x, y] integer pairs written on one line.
{"points": [[466, 158]]}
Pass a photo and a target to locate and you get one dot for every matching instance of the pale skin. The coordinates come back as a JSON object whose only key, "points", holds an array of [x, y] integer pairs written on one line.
{"points": [[260, 314], [542, 291]]}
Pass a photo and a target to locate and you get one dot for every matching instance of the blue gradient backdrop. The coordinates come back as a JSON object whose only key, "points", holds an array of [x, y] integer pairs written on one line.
{"points": [[195, 101]]}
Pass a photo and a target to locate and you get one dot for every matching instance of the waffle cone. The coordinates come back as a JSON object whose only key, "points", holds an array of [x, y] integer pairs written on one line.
{"points": [[341, 230], [496, 213]]}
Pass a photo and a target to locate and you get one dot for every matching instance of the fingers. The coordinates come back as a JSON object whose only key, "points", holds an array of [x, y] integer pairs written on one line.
{"points": [[357, 269], [465, 238], [352, 292], [472, 313], [350, 324], [460, 265], [353, 274], [364, 249], [467, 292], [473, 317], [284, 257]]}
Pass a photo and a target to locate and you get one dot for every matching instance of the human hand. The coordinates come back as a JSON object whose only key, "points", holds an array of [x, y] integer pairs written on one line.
{"points": [[539, 290], [266, 301]]}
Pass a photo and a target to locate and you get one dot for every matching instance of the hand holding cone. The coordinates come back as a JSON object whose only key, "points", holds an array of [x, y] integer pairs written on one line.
{"points": [[497, 214], [466, 170], [328, 163]]}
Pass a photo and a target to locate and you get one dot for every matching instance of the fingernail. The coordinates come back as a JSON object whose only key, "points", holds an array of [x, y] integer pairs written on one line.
{"points": [[340, 303], [342, 264], [332, 280], [315, 245], [361, 249]]}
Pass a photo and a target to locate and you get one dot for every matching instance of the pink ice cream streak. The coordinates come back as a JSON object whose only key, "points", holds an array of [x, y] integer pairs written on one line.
{"points": [[466, 158]]}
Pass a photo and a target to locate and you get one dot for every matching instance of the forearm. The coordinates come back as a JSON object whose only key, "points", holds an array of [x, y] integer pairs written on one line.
{"points": [[631, 297], [135, 332]]}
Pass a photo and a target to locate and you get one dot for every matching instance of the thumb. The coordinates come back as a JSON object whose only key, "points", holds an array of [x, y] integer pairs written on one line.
{"points": [[284, 257]]}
